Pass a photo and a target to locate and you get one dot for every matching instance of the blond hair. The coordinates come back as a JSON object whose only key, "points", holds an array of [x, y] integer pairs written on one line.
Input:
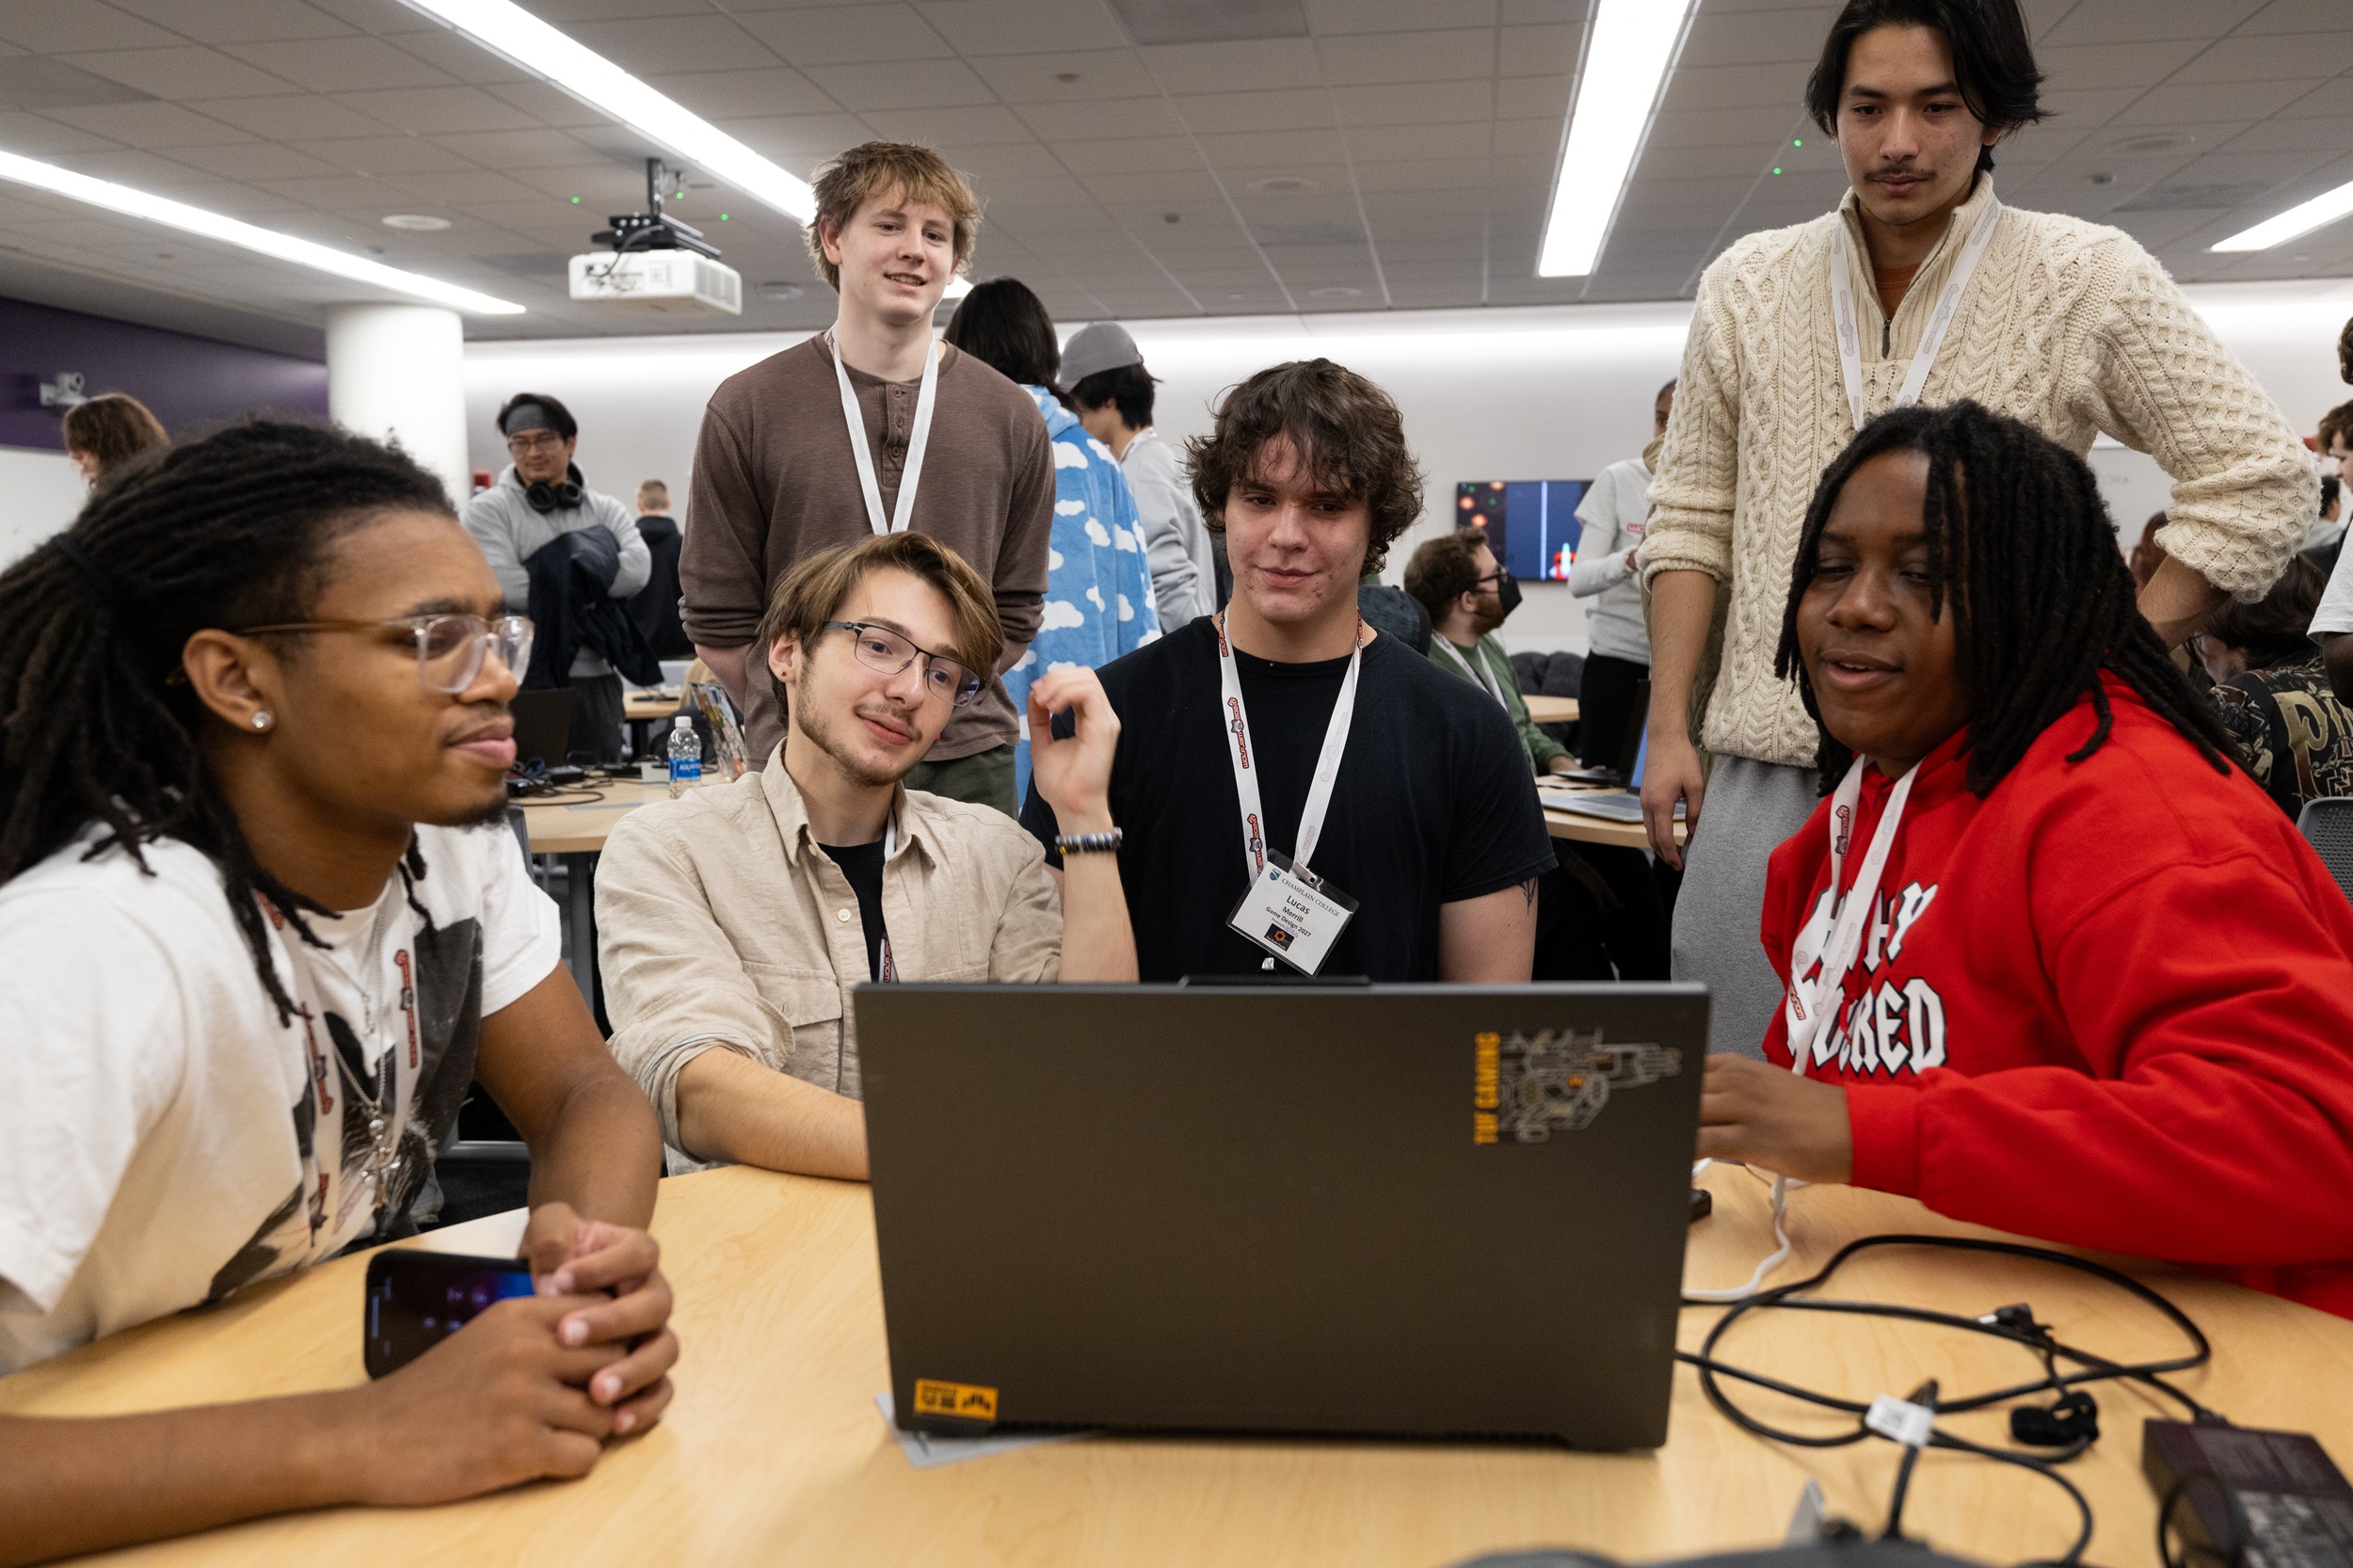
{"points": [[813, 592], [875, 168]]}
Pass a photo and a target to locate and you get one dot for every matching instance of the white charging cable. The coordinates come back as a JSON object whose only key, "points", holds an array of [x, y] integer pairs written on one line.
{"points": [[1783, 1186]]}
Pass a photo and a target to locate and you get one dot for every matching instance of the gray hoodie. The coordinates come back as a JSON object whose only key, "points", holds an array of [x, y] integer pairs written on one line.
{"points": [[510, 532]]}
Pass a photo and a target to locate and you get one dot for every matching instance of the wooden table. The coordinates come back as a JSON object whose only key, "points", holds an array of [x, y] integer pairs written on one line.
{"points": [[576, 829], [1601, 830], [773, 1451], [1551, 709], [648, 705]]}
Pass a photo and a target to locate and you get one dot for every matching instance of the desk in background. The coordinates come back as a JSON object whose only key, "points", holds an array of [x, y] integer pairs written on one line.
{"points": [[575, 831], [774, 1452]]}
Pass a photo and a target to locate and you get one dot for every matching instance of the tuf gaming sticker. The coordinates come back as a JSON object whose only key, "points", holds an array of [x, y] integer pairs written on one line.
{"points": [[1525, 1087]]}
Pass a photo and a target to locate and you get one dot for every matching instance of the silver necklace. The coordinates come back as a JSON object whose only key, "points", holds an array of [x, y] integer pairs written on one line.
{"points": [[383, 1161]]}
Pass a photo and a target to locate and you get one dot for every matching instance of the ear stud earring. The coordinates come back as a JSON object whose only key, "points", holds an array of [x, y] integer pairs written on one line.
{"points": [[261, 719]]}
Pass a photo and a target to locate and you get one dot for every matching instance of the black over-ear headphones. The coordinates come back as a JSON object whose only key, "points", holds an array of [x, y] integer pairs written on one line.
{"points": [[546, 497]]}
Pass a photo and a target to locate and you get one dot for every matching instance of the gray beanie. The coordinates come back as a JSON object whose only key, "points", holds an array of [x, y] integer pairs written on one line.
{"points": [[1092, 350]]}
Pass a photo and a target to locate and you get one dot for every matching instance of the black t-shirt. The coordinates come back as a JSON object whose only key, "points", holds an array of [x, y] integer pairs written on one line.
{"points": [[862, 864], [1435, 802]]}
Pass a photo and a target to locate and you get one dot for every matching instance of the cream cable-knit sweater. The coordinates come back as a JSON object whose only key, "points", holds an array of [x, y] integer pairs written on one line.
{"points": [[2067, 326]]}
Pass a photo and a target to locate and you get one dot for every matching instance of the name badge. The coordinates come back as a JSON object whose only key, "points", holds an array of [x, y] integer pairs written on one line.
{"points": [[1292, 913]]}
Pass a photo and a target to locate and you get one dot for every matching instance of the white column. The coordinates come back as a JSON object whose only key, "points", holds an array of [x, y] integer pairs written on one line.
{"points": [[398, 373]]}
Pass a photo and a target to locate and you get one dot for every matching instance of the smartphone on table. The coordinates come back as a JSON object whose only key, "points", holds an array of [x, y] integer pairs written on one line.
{"points": [[418, 1298]]}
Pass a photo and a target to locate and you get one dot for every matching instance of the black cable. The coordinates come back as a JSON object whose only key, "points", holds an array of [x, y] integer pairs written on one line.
{"points": [[2014, 1324], [1923, 1395]]}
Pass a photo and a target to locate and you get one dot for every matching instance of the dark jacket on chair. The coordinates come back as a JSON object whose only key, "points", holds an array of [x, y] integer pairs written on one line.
{"points": [[571, 582]]}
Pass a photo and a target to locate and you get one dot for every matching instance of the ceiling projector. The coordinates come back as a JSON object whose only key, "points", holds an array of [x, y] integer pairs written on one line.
{"points": [[656, 264]]}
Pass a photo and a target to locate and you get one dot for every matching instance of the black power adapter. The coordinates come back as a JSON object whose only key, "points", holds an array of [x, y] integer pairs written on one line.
{"points": [[2245, 1495]]}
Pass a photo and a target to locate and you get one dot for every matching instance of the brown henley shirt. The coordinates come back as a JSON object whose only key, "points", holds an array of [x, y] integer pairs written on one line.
{"points": [[774, 480]]}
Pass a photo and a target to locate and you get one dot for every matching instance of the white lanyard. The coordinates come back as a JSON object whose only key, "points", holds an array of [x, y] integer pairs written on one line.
{"points": [[1237, 751], [889, 970], [1474, 667], [1931, 337], [918, 438], [1809, 1007]]}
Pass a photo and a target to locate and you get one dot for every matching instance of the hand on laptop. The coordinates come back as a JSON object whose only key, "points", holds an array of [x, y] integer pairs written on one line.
{"points": [[1760, 1114], [1074, 776]]}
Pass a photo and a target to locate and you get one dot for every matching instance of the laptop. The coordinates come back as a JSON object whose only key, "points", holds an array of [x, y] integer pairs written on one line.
{"points": [[1432, 1211], [543, 725]]}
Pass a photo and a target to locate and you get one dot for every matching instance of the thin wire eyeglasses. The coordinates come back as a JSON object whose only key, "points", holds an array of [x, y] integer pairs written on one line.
{"points": [[882, 650], [449, 648]]}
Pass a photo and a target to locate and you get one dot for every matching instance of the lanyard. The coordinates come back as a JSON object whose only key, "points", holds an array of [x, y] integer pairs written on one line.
{"points": [[1809, 1007], [889, 970], [918, 438], [1246, 772], [1931, 337], [1473, 667]]}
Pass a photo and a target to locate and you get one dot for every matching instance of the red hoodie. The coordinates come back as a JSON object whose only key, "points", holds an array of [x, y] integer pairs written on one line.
{"points": [[2110, 1005]]}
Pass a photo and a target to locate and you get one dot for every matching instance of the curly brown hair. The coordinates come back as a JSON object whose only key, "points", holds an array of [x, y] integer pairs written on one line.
{"points": [[1350, 437]]}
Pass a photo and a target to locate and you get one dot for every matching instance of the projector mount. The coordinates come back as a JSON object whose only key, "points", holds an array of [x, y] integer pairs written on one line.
{"points": [[653, 228]]}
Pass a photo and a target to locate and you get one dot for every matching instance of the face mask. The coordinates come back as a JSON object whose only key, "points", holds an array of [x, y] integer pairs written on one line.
{"points": [[1507, 592]]}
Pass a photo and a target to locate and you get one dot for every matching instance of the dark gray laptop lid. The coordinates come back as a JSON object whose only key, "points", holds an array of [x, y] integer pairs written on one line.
{"points": [[1413, 1210]]}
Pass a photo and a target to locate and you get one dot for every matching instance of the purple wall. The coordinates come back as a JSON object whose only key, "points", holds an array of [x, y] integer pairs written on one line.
{"points": [[190, 382]]}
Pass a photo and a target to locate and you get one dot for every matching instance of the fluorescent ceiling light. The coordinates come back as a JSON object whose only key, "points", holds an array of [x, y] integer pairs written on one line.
{"points": [[1633, 44], [506, 29], [2327, 207], [268, 241]]}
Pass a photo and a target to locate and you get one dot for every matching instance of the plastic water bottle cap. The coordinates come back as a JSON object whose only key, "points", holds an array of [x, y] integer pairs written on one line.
{"points": [[681, 722]]}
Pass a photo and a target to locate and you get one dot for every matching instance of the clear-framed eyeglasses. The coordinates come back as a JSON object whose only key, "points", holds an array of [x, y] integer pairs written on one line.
{"points": [[882, 650], [449, 648]]}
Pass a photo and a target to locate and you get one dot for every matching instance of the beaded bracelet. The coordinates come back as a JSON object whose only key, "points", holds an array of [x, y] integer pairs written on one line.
{"points": [[1087, 844]]}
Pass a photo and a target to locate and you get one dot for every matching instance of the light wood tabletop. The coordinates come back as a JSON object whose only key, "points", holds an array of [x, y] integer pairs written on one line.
{"points": [[575, 824], [773, 1451], [1583, 829], [648, 705], [1551, 709]]}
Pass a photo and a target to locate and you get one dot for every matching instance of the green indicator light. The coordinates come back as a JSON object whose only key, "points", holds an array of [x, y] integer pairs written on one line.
{"points": [[1777, 172], [722, 217], [575, 200], [1797, 141]]}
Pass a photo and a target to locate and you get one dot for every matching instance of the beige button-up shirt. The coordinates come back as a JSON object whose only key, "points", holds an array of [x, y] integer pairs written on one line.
{"points": [[721, 922]]}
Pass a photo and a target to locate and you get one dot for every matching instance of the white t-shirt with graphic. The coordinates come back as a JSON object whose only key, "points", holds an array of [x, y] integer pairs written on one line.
{"points": [[165, 1138]]}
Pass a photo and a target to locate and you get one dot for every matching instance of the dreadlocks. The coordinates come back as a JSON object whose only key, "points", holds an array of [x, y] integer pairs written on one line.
{"points": [[229, 531], [2042, 601]]}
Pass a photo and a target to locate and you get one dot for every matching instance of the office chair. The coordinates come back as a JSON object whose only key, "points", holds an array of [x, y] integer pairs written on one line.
{"points": [[2328, 826]]}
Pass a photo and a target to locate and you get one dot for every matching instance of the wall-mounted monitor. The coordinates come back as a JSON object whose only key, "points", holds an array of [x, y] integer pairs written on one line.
{"points": [[1531, 523]]}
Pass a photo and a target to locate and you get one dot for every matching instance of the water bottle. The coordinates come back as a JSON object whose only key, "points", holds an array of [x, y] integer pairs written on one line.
{"points": [[686, 756]]}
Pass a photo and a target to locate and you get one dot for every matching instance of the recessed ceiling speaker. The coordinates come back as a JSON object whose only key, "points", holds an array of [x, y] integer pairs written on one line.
{"points": [[2164, 141], [421, 223], [1282, 184]]}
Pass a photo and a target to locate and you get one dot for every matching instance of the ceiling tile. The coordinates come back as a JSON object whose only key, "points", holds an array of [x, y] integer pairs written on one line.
{"points": [[654, 46], [524, 149], [1257, 111], [427, 110], [1015, 27], [1389, 143], [39, 137], [842, 35], [164, 125], [182, 73], [254, 160], [1453, 55], [904, 85], [949, 129], [1137, 119], [295, 118], [2140, 64], [1037, 78], [64, 26], [1413, 104], [547, 104], [725, 94], [1237, 67], [340, 65], [2131, 20], [385, 155], [237, 21], [2271, 57]]}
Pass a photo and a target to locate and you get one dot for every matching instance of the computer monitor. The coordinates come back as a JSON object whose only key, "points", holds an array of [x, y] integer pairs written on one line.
{"points": [[1418, 1210], [543, 725]]}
